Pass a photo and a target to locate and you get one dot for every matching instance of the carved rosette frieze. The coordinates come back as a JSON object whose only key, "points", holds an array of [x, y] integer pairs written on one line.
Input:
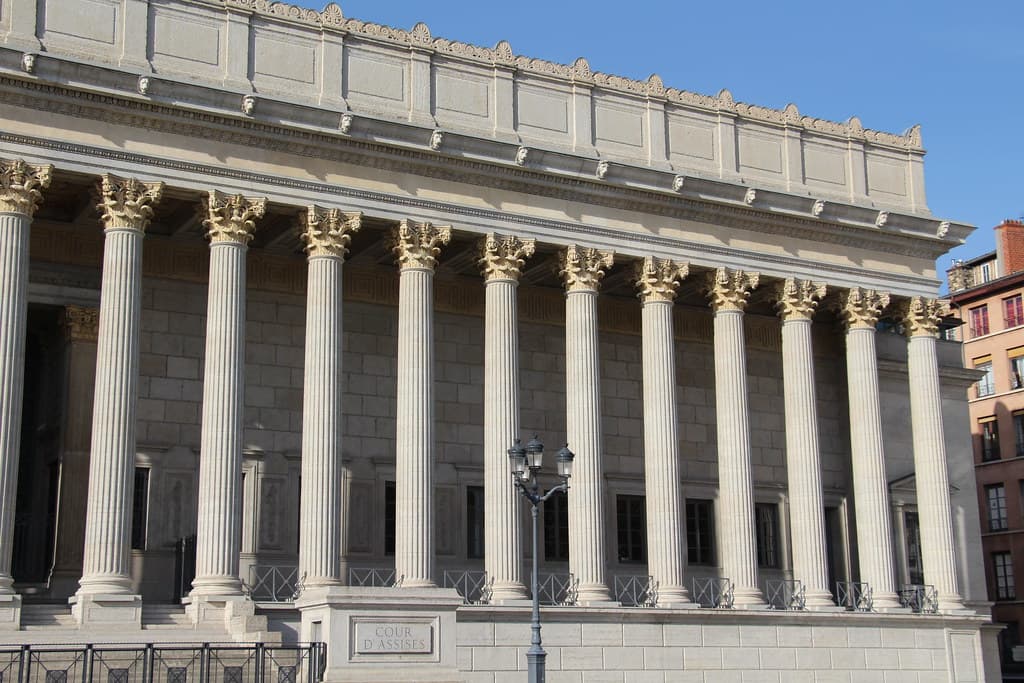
{"points": [[127, 202], [797, 299], [81, 324], [922, 315], [861, 307], [416, 245], [657, 279], [327, 232], [21, 185], [581, 268], [232, 218], [729, 289], [503, 256]]}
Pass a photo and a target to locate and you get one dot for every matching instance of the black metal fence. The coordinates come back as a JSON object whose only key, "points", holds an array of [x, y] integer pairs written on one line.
{"points": [[205, 663]]}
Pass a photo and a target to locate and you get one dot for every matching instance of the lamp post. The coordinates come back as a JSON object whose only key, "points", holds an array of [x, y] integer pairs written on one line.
{"points": [[526, 464]]}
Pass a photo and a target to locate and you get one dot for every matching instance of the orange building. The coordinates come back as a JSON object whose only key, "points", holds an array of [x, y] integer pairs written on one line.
{"points": [[987, 294]]}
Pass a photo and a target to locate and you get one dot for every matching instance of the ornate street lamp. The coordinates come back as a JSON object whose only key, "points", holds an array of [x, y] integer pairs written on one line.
{"points": [[526, 464]]}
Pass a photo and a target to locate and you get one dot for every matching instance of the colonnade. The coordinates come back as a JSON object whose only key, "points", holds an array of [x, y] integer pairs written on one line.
{"points": [[126, 208]]}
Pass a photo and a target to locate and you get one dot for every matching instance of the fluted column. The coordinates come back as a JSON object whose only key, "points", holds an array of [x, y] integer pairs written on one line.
{"points": [[416, 246], [20, 186], [581, 270], [860, 311], [327, 235], [938, 550], [657, 279], [126, 208], [230, 224], [728, 291], [797, 300], [502, 259]]}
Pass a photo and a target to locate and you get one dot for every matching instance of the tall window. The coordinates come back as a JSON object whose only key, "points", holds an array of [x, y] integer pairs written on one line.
{"points": [[1002, 563], [915, 567], [989, 439], [389, 518], [556, 528], [979, 320], [986, 385], [766, 520], [632, 528], [140, 508], [1014, 311], [474, 522], [700, 531], [1018, 432], [995, 497], [1016, 358], [986, 272]]}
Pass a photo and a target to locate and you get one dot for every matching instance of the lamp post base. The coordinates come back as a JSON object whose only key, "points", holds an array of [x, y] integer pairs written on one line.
{"points": [[535, 659]]}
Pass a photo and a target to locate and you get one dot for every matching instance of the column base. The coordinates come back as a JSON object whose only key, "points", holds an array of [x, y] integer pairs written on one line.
{"points": [[594, 595], [675, 597], [820, 601], [235, 613], [502, 593], [383, 634], [10, 612], [122, 610], [748, 598]]}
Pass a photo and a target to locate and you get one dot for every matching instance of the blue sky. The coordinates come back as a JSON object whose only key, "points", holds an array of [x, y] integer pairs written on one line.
{"points": [[956, 68]]}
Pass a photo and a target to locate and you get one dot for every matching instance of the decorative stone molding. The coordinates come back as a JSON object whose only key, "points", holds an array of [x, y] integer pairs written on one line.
{"points": [[861, 307], [20, 186], [942, 230], [127, 202], [797, 299], [923, 315], [416, 245], [232, 218], [881, 219], [750, 196], [602, 169], [678, 182], [729, 289], [658, 278], [503, 256], [28, 63], [345, 124], [818, 208], [81, 324], [248, 105], [521, 154], [327, 232], [436, 140], [143, 85], [581, 268]]}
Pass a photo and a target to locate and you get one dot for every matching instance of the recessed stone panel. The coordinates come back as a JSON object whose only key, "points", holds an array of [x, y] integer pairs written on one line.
{"points": [[692, 140], [887, 176], [619, 126], [825, 165], [547, 112], [375, 76], [91, 20], [285, 59], [760, 153], [457, 93], [187, 37]]}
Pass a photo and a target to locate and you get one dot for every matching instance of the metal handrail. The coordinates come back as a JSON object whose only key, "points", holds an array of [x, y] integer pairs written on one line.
{"points": [[273, 583], [785, 594], [636, 591], [713, 592], [372, 576], [855, 596], [920, 598], [472, 585], [557, 589]]}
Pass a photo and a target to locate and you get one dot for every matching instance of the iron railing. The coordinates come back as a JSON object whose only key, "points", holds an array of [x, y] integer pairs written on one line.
{"points": [[784, 594], [273, 583], [373, 576], [855, 596], [205, 663], [920, 598], [713, 592], [557, 589], [472, 585], [636, 591]]}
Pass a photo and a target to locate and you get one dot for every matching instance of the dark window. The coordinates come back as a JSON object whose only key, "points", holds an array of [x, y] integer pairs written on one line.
{"points": [[979, 321], [632, 527], [556, 527], [389, 518], [1018, 432], [700, 531], [1002, 563], [989, 439], [140, 508], [474, 522], [915, 568], [995, 498], [1014, 311], [766, 516]]}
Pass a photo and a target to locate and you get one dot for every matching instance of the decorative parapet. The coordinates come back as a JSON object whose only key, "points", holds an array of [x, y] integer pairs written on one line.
{"points": [[127, 202]]}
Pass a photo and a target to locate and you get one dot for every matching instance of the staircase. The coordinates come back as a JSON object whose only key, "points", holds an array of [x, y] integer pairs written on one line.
{"points": [[37, 617]]}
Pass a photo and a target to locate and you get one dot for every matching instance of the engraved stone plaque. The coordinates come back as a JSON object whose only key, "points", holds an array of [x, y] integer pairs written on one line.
{"points": [[393, 637]]}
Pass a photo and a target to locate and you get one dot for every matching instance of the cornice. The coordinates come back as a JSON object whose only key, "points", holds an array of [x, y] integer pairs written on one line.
{"points": [[419, 37]]}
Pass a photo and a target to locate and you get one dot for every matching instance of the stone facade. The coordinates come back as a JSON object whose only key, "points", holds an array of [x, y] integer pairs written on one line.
{"points": [[332, 277]]}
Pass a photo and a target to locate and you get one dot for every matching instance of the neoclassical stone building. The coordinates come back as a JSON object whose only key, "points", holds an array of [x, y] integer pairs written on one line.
{"points": [[279, 288]]}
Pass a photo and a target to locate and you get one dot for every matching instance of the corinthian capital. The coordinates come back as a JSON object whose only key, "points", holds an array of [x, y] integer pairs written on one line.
{"points": [[20, 186], [232, 218], [327, 232], [797, 299], [581, 268], [126, 202], [81, 324], [922, 315], [502, 256], [729, 289], [658, 278], [416, 245], [860, 307]]}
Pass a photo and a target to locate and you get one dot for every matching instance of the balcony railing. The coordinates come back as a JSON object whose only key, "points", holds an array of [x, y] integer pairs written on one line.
{"points": [[557, 589], [472, 585], [855, 596], [785, 595], [373, 576], [920, 598], [151, 663], [713, 592], [273, 583], [636, 591]]}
